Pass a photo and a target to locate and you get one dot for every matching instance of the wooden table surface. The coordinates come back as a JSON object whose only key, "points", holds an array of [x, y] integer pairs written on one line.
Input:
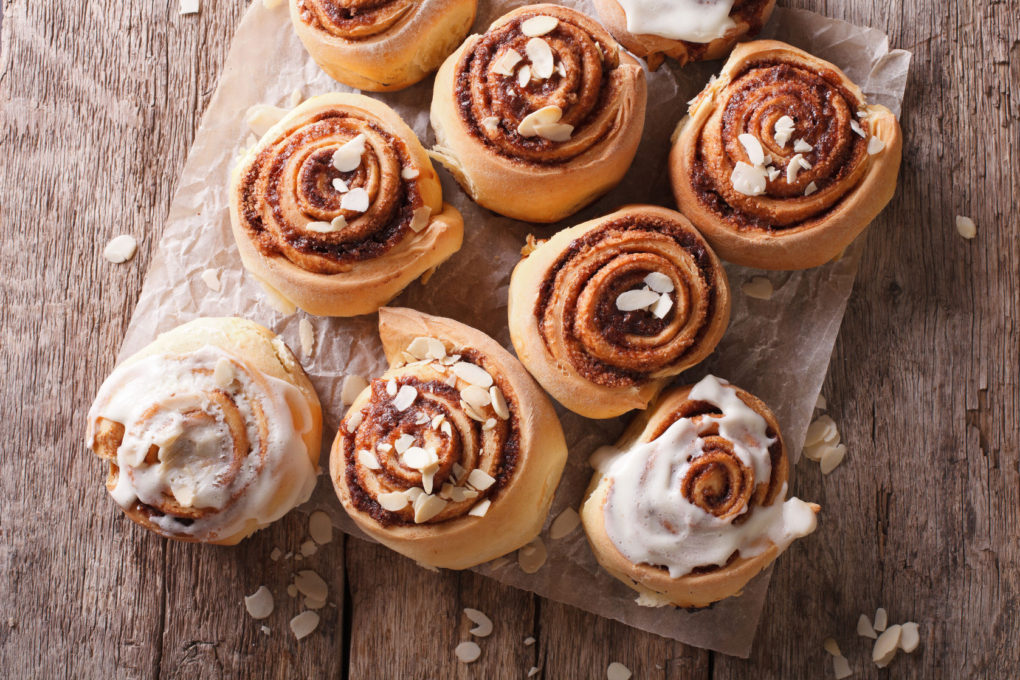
{"points": [[100, 102]]}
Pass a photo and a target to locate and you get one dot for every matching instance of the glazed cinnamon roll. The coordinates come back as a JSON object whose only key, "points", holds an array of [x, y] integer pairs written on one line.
{"points": [[211, 432], [690, 504], [381, 45], [452, 456], [338, 209], [686, 30], [604, 314], [541, 115], [781, 162]]}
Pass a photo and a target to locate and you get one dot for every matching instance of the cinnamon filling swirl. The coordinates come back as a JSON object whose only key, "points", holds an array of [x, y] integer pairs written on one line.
{"points": [[354, 19]]}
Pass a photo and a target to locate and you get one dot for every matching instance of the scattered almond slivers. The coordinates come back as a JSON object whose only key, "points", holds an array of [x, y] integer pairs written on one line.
{"points": [[260, 603], [564, 524], [347, 158], [468, 652], [750, 180], [532, 556], [483, 624], [547, 115], [886, 646], [304, 624], [420, 218], [307, 335], [505, 64], [966, 227], [211, 278], [910, 637], [617, 671], [320, 527], [841, 667], [540, 25], [881, 619], [865, 629], [541, 57], [759, 288], [120, 249]]}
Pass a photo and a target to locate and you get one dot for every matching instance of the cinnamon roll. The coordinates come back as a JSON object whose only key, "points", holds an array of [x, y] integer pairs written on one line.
{"points": [[452, 456], [781, 162], [381, 45], [686, 30], [691, 503], [338, 208], [604, 314], [211, 432], [541, 115]]}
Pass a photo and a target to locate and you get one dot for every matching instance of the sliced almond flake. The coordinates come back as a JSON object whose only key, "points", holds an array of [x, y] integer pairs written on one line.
{"points": [[499, 404], [881, 619], [308, 548], [966, 227], [820, 403], [471, 411], [223, 373], [524, 76], [120, 249], [547, 115], [910, 637], [800, 146], [352, 387], [368, 459], [428, 476], [476, 396], [458, 471], [752, 146], [420, 218], [446, 429], [266, 630], [348, 157], [617, 671], [652, 600], [391, 387], [320, 527], [491, 124], [555, 132], [421, 419], [189, 7], [659, 282], [817, 451], [783, 130], [489, 424], [886, 646], [532, 556], [759, 288], [858, 130], [632, 300], [307, 334], [662, 306], [261, 117], [533, 671], [540, 25], [276, 555], [385, 447], [773, 173], [451, 380], [410, 172], [211, 278], [304, 624], [426, 507], [446, 492], [414, 493], [804, 164], [354, 420], [452, 359], [314, 604], [564, 524], [419, 347], [340, 186], [749, 180], [472, 373], [541, 57], [437, 421], [561, 69], [260, 603], [875, 146], [831, 459], [841, 667], [311, 584], [295, 98], [418, 458], [467, 652], [793, 168], [320, 227], [810, 189], [819, 430], [505, 63], [528, 641], [393, 501], [292, 589], [480, 508], [483, 624], [863, 114], [458, 494], [355, 200], [832, 647], [480, 479]]}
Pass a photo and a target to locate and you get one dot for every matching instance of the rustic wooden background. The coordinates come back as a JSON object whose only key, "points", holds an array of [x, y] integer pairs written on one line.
{"points": [[100, 102]]}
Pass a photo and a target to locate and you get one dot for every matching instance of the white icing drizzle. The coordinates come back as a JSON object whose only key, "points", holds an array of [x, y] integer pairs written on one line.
{"points": [[169, 401], [650, 521], [696, 21]]}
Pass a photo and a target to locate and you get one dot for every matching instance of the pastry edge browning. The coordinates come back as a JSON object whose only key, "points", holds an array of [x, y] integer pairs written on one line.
{"points": [[395, 58], [816, 241], [563, 382], [485, 174], [516, 516], [368, 284]]}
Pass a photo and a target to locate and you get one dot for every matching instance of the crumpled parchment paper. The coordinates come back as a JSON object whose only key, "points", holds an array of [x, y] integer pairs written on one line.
{"points": [[778, 349]]}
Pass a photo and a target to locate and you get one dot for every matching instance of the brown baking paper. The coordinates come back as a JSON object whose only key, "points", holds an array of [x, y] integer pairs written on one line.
{"points": [[778, 349]]}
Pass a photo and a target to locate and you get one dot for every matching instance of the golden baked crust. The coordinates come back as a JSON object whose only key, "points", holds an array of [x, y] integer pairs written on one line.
{"points": [[565, 326], [381, 45], [259, 353], [524, 454], [792, 225], [283, 187], [477, 111]]}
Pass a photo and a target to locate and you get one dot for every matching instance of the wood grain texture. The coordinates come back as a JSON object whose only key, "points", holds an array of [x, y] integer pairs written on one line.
{"points": [[100, 102]]}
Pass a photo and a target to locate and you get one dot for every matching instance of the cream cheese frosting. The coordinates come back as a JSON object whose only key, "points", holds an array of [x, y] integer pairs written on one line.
{"points": [[697, 21]]}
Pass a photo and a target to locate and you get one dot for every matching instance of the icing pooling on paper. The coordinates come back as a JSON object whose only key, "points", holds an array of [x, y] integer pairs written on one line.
{"points": [[646, 495], [180, 404], [697, 21]]}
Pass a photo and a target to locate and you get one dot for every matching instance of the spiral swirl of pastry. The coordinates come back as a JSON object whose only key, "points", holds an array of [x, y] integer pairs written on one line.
{"points": [[573, 328], [690, 505], [381, 45], [202, 444], [341, 188], [440, 446], [544, 94], [782, 162]]}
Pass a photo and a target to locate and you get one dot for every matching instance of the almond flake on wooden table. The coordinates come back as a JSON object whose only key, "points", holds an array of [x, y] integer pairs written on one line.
{"points": [[759, 288], [865, 629], [841, 667], [966, 227], [320, 527], [881, 619], [304, 624], [265, 630], [467, 652], [260, 603], [483, 624], [832, 647], [309, 548], [886, 646], [189, 7], [533, 671], [311, 584], [617, 671], [565, 523], [120, 249], [910, 637], [528, 641]]}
